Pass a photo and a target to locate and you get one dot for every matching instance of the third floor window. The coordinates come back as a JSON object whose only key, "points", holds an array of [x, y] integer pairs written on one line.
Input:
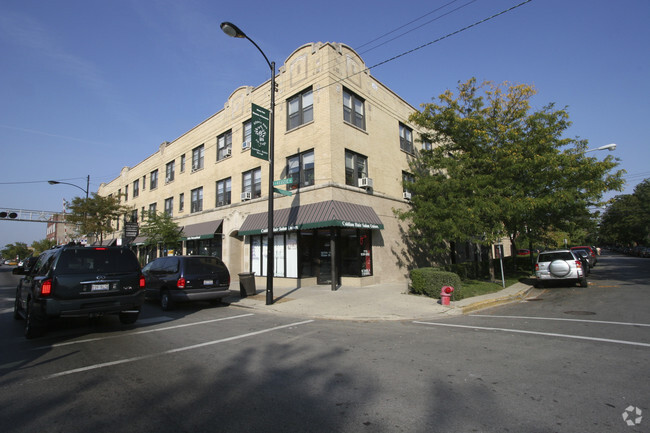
{"points": [[169, 172], [300, 168], [197, 157], [405, 138], [353, 111], [300, 109], [224, 145], [153, 179]]}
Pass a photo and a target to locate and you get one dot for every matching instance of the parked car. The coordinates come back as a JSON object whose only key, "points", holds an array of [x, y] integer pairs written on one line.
{"points": [[73, 281], [585, 258], [559, 265], [591, 252], [584, 252], [176, 279], [523, 252]]}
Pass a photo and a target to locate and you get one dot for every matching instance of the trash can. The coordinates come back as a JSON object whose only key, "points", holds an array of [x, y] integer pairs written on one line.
{"points": [[247, 284]]}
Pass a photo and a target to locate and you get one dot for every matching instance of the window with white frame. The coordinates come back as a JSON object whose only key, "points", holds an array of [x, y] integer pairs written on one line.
{"points": [[196, 200], [300, 109], [405, 138], [223, 192], [356, 167], [300, 168], [224, 145], [153, 179], [169, 171], [246, 144], [197, 157], [353, 109], [252, 182], [169, 206]]}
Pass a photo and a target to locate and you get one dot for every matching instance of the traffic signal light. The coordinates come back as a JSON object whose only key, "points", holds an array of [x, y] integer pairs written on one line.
{"points": [[12, 215]]}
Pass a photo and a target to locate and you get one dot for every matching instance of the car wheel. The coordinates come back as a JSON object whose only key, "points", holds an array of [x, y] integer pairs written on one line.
{"points": [[165, 301], [583, 282], [129, 317], [33, 324]]}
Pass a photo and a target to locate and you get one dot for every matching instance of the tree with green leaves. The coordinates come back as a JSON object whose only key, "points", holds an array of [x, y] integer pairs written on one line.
{"points": [[499, 169], [627, 219], [17, 249], [93, 216], [42, 245], [160, 230]]}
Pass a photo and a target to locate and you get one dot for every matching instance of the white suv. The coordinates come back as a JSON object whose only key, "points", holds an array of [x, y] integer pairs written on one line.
{"points": [[559, 265]]}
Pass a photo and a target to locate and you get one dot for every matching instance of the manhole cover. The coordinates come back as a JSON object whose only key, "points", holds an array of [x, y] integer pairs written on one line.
{"points": [[580, 313]]}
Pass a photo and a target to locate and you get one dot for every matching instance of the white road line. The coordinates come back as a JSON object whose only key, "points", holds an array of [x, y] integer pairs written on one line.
{"points": [[548, 334], [564, 319], [146, 331], [167, 352]]}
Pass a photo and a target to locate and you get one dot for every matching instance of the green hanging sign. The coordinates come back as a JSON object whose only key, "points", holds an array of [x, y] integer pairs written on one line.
{"points": [[260, 132]]}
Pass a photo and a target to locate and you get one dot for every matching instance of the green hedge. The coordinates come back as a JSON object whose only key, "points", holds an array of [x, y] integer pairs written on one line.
{"points": [[429, 282]]}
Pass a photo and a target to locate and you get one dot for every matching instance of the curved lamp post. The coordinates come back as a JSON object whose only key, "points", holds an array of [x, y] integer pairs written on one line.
{"points": [[609, 147], [56, 182], [233, 31]]}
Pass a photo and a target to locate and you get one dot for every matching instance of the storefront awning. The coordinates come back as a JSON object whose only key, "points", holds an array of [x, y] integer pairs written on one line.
{"points": [[317, 215], [140, 240], [205, 230], [108, 242]]}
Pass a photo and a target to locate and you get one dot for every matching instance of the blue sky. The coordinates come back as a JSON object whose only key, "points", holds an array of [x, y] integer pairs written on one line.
{"points": [[88, 87]]}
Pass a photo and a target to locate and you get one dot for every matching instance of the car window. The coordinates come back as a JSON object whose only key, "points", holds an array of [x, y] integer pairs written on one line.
{"points": [[100, 260], [561, 255], [170, 265], [194, 265]]}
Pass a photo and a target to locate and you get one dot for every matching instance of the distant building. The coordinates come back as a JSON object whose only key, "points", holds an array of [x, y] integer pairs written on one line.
{"points": [[61, 232], [341, 136]]}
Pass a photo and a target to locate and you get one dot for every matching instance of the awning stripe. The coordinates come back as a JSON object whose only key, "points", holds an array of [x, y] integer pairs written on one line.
{"points": [[330, 213]]}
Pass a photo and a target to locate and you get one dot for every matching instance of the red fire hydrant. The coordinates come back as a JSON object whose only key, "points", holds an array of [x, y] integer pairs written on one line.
{"points": [[445, 294]]}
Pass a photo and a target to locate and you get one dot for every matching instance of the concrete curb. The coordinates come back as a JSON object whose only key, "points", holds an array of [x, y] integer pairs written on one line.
{"points": [[489, 303]]}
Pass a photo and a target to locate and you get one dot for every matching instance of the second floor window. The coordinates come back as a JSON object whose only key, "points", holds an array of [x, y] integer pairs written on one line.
{"points": [[196, 200], [169, 206], [300, 109], [300, 168], [356, 167], [152, 209], [224, 145], [353, 111], [405, 138], [197, 157], [181, 202], [136, 188], [252, 182], [182, 163], [223, 192], [169, 172], [134, 216], [153, 179]]}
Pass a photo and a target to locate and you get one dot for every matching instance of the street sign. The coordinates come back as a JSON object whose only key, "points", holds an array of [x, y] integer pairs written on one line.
{"points": [[283, 181], [131, 230], [260, 132], [283, 192]]}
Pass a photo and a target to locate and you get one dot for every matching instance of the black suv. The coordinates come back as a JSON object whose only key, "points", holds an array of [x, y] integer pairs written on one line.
{"points": [[73, 280], [186, 278]]}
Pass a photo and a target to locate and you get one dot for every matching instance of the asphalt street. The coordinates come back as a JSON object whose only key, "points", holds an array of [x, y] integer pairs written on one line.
{"points": [[564, 360]]}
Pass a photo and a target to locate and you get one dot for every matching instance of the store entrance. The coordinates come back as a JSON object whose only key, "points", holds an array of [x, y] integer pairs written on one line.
{"points": [[324, 258]]}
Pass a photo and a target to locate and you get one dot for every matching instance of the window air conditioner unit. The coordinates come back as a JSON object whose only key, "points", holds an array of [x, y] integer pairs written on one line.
{"points": [[220, 203], [245, 145], [246, 196], [227, 153], [195, 167], [407, 195], [365, 182]]}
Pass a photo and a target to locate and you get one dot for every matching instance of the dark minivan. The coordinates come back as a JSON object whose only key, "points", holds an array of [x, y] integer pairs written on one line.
{"points": [[72, 281], [186, 278]]}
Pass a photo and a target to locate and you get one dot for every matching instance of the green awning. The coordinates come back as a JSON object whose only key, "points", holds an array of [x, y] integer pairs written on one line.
{"points": [[205, 230], [330, 213]]}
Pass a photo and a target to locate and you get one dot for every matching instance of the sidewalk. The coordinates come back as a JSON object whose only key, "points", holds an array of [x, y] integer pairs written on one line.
{"points": [[373, 303]]}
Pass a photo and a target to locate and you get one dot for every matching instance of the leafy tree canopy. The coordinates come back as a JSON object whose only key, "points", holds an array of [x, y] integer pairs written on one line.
{"points": [[627, 219], [499, 169], [18, 249], [160, 228], [42, 245], [94, 215]]}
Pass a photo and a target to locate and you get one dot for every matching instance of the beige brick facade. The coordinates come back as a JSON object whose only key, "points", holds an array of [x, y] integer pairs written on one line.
{"points": [[328, 69]]}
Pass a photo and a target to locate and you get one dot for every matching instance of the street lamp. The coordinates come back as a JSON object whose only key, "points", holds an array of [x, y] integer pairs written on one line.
{"points": [[609, 147], [233, 31], [56, 182]]}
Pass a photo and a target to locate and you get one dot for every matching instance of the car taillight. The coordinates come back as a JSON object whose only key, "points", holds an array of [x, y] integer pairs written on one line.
{"points": [[579, 263], [142, 282], [537, 266], [46, 288], [99, 249], [180, 283]]}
